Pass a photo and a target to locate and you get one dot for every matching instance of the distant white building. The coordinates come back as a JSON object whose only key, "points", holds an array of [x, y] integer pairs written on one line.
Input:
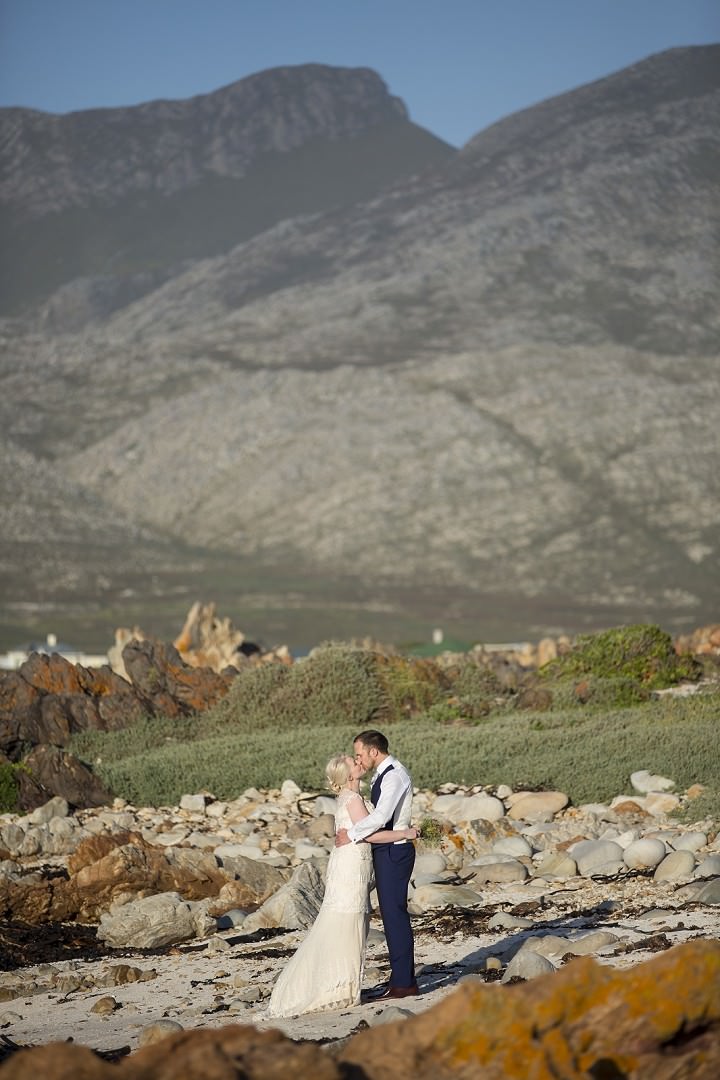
{"points": [[14, 658]]}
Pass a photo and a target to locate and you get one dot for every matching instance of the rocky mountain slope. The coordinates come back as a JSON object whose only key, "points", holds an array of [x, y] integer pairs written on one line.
{"points": [[496, 376]]}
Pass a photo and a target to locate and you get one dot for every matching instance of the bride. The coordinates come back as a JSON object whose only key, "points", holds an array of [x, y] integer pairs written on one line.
{"points": [[326, 971]]}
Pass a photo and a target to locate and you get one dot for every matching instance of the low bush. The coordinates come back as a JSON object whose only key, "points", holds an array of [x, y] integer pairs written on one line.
{"points": [[8, 788], [589, 753], [643, 653]]}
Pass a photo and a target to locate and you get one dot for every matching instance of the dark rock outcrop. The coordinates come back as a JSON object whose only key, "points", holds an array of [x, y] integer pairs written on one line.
{"points": [[49, 699]]}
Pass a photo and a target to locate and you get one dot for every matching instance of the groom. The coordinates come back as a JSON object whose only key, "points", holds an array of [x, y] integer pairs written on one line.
{"points": [[391, 796]]}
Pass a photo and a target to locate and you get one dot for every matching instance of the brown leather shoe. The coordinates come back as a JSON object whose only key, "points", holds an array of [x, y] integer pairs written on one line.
{"points": [[400, 992]]}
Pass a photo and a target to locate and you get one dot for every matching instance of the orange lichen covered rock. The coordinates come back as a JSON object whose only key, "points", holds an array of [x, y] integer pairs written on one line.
{"points": [[658, 1020]]}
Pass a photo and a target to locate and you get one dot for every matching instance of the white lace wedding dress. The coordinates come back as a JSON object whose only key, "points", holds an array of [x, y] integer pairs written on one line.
{"points": [[326, 971]]}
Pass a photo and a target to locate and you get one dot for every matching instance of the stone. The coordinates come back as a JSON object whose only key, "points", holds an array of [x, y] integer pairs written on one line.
{"points": [[157, 1031], [503, 920], [57, 807], [597, 858], [536, 805], [324, 825], [644, 782], [105, 1005], [456, 808], [709, 867], [676, 865], [512, 845], [294, 906], [430, 897], [660, 803], [556, 864], [194, 804], [527, 965], [511, 870], [596, 1020], [429, 862], [289, 791], [164, 919], [593, 942], [690, 841], [709, 892], [644, 854], [64, 775]]}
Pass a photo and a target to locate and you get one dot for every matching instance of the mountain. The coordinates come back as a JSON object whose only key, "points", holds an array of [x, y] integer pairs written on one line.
{"points": [[129, 193], [483, 393]]}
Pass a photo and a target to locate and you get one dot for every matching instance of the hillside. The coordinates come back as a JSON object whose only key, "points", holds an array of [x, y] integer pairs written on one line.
{"points": [[494, 379]]}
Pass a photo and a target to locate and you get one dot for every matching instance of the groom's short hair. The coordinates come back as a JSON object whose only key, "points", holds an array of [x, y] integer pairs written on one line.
{"points": [[373, 738]]}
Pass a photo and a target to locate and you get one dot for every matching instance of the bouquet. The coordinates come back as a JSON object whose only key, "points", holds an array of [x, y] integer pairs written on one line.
{"points": [[431, 831]]}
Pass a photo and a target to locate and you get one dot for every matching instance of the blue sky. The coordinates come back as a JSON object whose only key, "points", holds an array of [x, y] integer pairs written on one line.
{"points": [[459, 65]]}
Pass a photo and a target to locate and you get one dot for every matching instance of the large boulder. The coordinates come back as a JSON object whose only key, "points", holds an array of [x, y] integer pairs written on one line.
{"points": [[167, 684], [61, 773], [154, 921]]}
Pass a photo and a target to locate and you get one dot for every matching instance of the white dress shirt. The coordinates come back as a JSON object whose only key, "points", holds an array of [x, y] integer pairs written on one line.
{"points": [[394, 804]]}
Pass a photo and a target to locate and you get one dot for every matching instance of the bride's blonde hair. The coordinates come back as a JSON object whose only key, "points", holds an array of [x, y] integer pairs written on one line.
{"points": [[337, 771]]}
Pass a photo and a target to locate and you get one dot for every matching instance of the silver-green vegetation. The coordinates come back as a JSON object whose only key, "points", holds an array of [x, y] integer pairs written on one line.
{"points": [[459, 724]]}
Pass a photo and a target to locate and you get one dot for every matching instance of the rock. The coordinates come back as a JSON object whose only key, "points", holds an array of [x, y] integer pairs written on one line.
{"points": [[254, 882], [690, 841], [289, 791], [645, 782], [391, 1014], [503, 920], [164, 919], [294, 906], [324, 804], [157, 1031], [556, 864], [194, 804], [105, 1005], [457, 808], [62, 774], [56, 807], [596, 1020], [429, 897], [596, 858], [676, 865], [536, 805], [709, 892], [429, 862], [592, 942], [512, 845], [527, 965], [305, 850], [661, 803], [709, 867], [324, 825], [511, 870], [230, 919], [644, 854], [169, 686]]}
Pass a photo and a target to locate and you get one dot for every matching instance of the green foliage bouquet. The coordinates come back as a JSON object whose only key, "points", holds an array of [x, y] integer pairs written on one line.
{"points": [[431, 832]]}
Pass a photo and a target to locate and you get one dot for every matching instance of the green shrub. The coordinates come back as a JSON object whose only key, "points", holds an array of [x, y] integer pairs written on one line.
{"points": [[610, 693], [643, 653], [587, 753], [8, 788]]}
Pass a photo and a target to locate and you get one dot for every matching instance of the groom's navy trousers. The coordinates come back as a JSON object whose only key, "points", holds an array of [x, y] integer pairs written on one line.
{"points": [[393, 866]]}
